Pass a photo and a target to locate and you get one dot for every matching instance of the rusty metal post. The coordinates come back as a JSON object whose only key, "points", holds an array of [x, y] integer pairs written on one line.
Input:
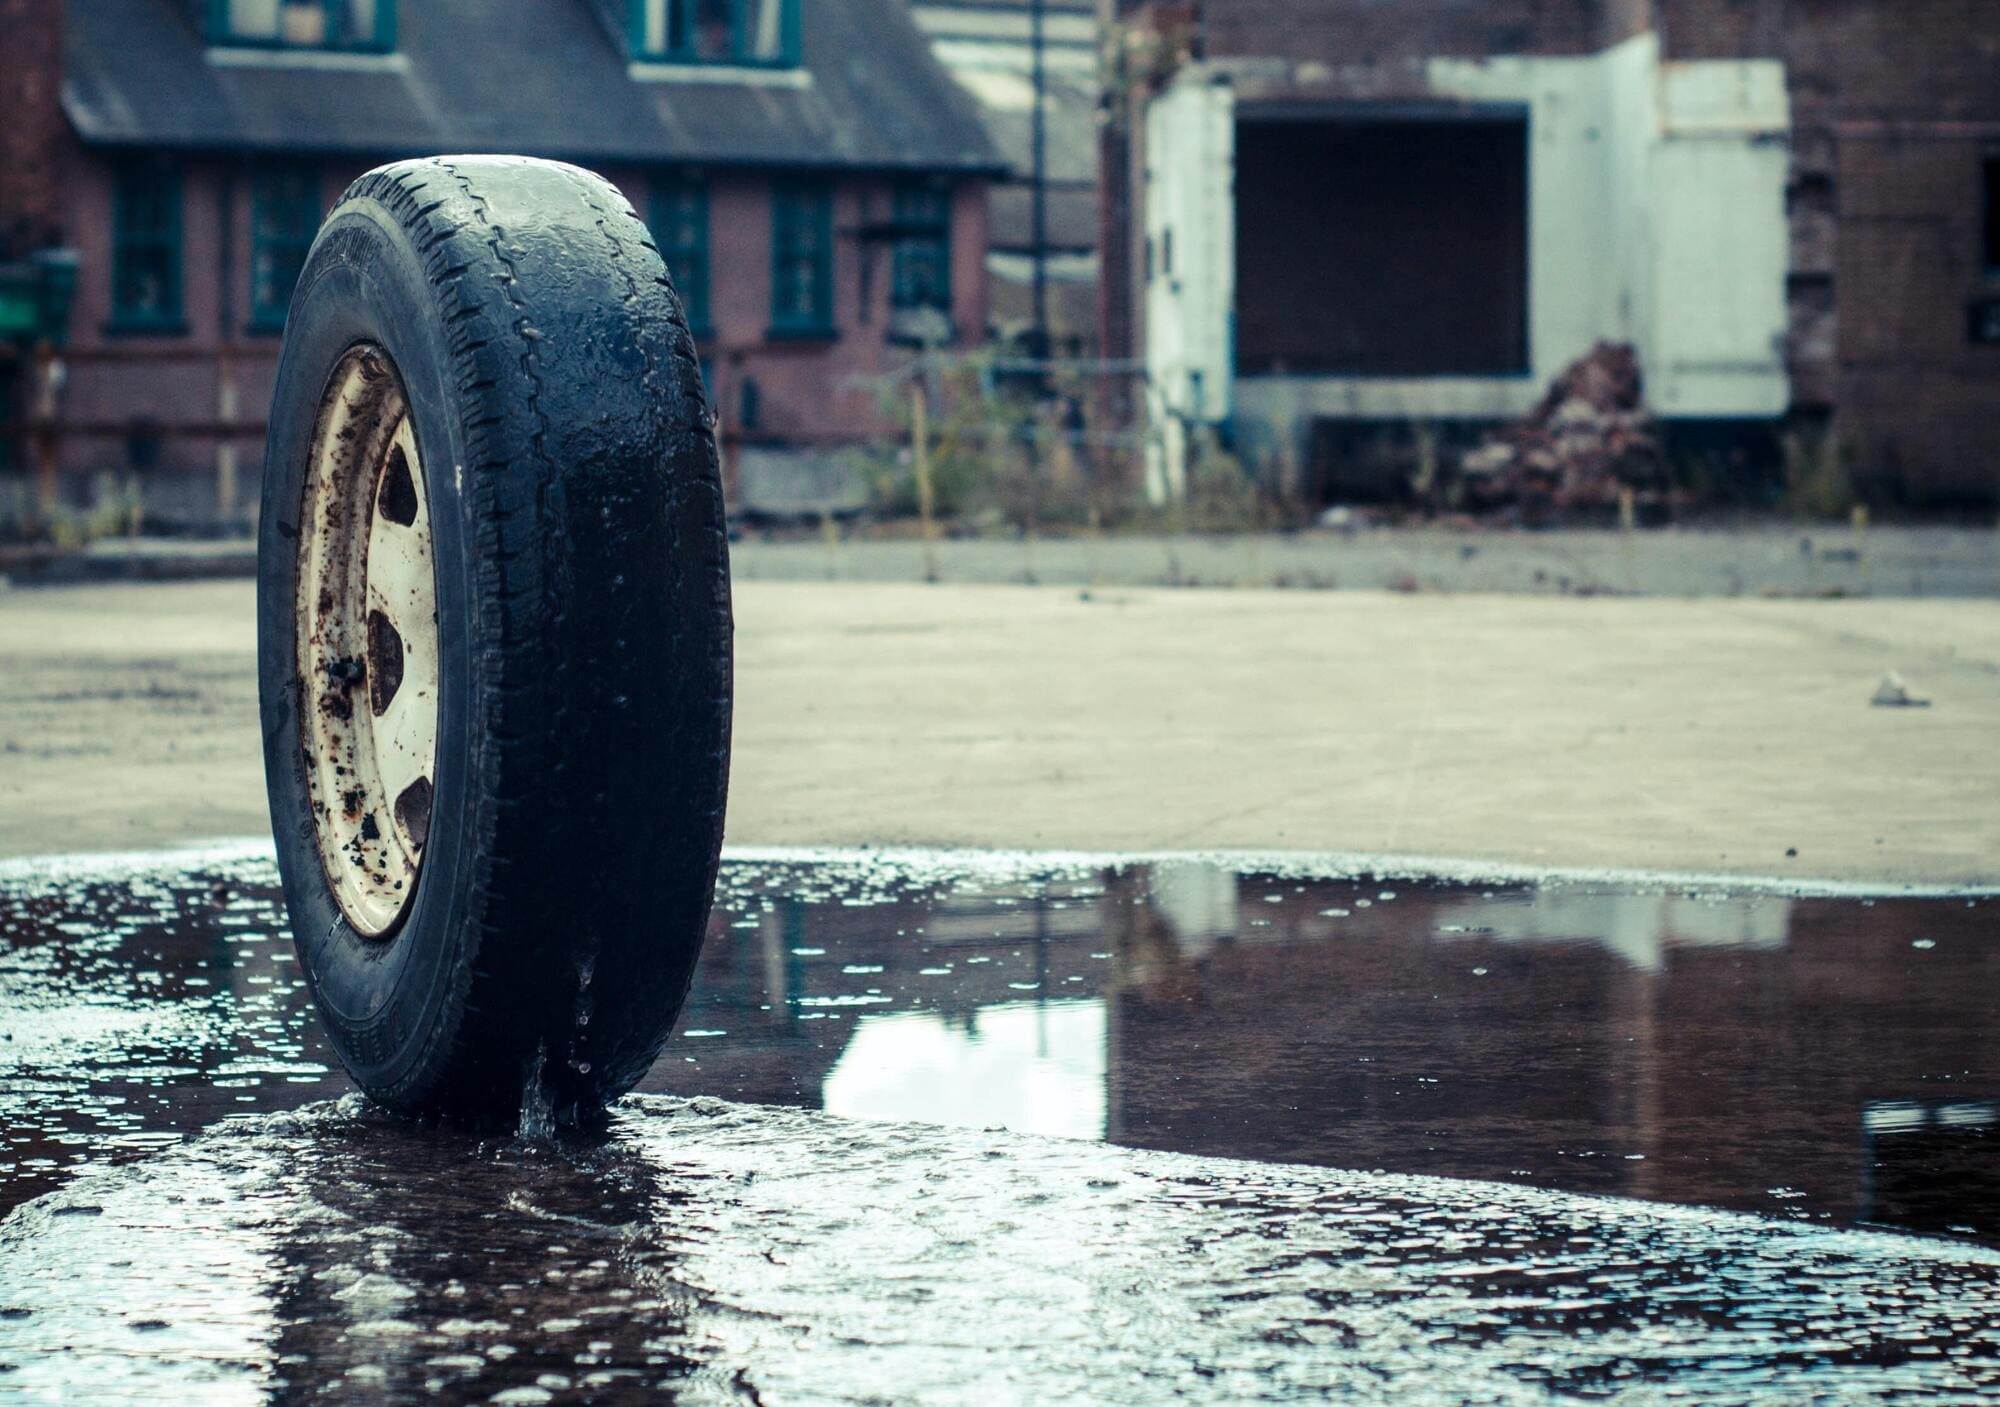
{"points": [[1039, 144], [225, 445], [920, 460], [44, 437], [1628, 523]]}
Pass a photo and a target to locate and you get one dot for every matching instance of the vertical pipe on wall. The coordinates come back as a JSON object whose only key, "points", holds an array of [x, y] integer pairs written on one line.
{"points": [[1037, 48], [45, 434], [920, 460], [225, 331]]}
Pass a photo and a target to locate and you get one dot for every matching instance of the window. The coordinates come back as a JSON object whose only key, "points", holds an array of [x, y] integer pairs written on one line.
{"points": [[922, 276], [716, 31], [146, 247], [367, 25], [680, 227], [284, 215], [802, 258]]}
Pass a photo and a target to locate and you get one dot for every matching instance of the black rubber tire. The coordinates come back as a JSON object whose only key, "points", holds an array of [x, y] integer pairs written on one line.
{"points": [[584, 634]]}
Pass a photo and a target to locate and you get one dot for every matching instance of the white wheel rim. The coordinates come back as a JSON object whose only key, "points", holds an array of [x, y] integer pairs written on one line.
{"points": [[368, 643]]}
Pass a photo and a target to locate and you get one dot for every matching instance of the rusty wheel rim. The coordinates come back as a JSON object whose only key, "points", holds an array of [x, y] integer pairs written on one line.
{"points": [[368, 643]]}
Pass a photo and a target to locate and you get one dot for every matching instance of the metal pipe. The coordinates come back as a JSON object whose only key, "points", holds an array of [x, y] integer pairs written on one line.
{"points": [[1037, 48], [225, 364]]}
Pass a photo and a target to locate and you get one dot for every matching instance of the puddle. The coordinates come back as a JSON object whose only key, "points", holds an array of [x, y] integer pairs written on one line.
{"points": [[1059, 1130], [733, 1253], [1832, 1059]]}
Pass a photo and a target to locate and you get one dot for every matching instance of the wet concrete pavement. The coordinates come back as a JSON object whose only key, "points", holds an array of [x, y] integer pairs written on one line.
{"points": [[969, 1128]]}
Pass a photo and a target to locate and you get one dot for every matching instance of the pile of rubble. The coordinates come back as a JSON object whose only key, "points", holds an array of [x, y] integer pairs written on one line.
{"points": [[1589, 441]]}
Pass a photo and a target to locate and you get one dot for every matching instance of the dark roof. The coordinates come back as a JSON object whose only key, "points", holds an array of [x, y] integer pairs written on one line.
{"points": [[538, 77]]}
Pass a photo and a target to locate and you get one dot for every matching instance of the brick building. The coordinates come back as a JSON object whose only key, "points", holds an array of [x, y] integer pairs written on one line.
{"points": [[1326, 220], [815, 179]]}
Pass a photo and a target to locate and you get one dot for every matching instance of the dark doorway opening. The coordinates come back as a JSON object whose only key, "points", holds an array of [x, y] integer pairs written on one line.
{"points": [[1382, 244], [1989, 171]]}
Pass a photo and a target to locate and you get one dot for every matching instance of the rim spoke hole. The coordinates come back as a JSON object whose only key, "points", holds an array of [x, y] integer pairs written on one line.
{"points": [[413, 810], [385, 662], [398, 499]]}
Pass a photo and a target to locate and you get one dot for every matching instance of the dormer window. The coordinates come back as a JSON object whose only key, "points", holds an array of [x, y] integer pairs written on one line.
{"points": [[761, 32], [363, 26]]}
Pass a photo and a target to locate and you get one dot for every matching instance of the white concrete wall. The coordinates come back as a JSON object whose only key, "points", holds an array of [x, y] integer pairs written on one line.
{"points": [[1716, 340], [1630, 133], [1190, 198], [1655, 216], [1577, 265]]}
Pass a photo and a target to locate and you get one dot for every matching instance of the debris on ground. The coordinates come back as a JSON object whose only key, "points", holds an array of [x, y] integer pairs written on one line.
{"points": [[1588, 444], [1351, 518], [1892, 692]]}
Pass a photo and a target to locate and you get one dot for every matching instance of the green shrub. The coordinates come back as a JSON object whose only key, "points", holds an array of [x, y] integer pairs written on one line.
{"points": [[1819, 480]]}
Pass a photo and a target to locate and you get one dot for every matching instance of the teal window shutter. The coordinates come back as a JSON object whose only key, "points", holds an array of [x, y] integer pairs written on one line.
{"points": [[364, 26], [762, 32], [146, 246], [801, 258], [679, 219], [284, 216], [922, 271]]}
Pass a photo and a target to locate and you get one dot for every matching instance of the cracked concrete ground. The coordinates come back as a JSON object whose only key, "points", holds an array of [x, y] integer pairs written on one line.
{"points": [[1727, 736]]}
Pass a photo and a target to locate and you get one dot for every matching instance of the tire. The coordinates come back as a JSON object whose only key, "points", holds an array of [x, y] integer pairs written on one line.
{"points": [[487, 372]]}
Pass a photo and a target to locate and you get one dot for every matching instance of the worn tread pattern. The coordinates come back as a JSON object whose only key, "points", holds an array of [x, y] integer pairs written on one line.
{"points": [[597, 640]]}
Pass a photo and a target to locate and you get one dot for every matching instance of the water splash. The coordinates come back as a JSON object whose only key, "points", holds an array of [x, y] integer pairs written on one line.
{"points": [[538, 1101]]}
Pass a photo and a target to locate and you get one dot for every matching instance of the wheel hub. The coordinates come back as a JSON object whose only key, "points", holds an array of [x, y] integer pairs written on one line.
{"points": [[368, 643]]}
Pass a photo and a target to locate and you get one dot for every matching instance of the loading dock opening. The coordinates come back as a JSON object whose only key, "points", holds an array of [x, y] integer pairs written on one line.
{"points": [[1382, 240]]}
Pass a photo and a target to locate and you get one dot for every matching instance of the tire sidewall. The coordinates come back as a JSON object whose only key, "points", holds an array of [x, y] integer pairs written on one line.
{"points": [[394, 998]]}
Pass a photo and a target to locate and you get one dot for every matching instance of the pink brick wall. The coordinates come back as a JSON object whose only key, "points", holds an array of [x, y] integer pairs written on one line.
{"points": [[809, 392]]}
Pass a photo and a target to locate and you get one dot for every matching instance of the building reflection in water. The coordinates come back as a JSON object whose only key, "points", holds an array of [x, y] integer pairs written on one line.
{"points": [[1831, 1058]]}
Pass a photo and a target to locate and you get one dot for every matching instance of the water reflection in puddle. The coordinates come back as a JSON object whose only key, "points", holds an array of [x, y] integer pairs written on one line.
{"points": [[1036, 1068], [1827, 1058]]}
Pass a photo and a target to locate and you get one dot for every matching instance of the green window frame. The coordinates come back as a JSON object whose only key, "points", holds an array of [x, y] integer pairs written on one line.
{"points": [[678, 211], [146, 252], [756, 32], [802, 258], [921, 276], [340, 26], [284, 216]]}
